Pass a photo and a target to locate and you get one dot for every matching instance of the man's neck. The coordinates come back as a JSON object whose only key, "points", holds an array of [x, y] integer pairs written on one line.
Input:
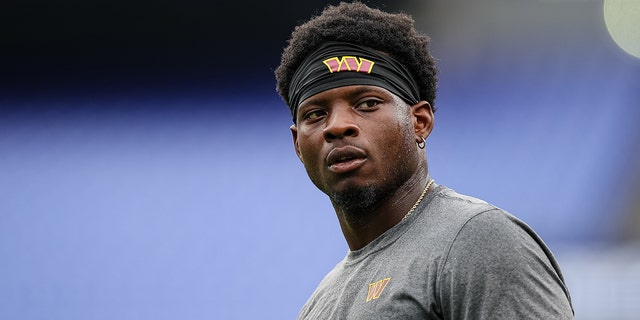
{"points": [[360, 228]]}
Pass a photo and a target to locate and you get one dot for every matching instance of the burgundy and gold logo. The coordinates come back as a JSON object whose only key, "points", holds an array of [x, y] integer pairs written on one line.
{"points": [[349, 63], [375, 289]]}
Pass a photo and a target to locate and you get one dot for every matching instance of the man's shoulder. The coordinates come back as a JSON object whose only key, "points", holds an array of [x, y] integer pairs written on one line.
{"points": [[454, 208], [449, 214], [448, 196]]}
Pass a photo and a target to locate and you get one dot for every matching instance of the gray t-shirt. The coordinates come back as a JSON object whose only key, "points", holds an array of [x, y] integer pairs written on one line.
{"points": [[455, 257]]}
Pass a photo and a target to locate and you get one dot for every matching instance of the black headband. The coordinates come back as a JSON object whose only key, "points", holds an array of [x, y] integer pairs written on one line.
{"points": [[325, 68]]}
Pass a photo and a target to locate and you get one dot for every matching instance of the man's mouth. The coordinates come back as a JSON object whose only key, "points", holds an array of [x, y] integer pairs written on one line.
{"points": [[345, 159]]}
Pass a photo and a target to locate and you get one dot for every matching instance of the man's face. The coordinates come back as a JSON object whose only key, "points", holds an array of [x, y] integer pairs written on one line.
{"points": [[357, 143]]}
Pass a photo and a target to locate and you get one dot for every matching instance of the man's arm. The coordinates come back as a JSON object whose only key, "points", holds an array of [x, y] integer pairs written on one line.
{"points": [[498, 268]]}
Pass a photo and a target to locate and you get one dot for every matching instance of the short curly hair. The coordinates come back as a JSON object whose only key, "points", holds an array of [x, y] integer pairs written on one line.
{"points": [[355, 22]]}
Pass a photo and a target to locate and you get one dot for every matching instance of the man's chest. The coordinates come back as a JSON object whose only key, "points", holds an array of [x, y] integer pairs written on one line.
{"points": [[376, 289]]}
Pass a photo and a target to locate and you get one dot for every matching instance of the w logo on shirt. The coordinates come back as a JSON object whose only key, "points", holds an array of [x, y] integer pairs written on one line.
{"points": [[375, 289]]}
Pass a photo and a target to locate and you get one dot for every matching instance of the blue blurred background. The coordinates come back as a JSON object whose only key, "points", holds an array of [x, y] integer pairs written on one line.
{"points": [[147, 172]]}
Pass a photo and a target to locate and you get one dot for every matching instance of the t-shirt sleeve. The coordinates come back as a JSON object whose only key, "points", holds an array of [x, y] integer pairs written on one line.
{"points": [[498, 268]]}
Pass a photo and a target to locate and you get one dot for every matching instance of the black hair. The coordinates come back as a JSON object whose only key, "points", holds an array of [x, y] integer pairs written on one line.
{"points": [[355, 22]]}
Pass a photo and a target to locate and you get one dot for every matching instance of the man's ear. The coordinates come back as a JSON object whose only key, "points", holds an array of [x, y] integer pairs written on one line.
{"points": [[294, 135], [422, 116]]}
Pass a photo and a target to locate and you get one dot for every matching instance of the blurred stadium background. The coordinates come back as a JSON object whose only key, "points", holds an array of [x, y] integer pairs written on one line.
{"points": [[146, 168]]}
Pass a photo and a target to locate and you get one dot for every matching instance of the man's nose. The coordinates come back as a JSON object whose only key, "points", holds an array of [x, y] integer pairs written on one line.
{"points": [[341, 123]]}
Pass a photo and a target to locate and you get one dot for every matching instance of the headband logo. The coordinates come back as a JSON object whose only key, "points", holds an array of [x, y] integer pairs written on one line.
{"points": [[349, 63]]}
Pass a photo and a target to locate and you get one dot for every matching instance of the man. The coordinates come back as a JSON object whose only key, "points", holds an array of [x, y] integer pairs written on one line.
{"points": [[360, 84]]}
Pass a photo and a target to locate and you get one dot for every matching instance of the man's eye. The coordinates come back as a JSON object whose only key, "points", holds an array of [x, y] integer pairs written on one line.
{"points": [[369, 104], [313, 114]]}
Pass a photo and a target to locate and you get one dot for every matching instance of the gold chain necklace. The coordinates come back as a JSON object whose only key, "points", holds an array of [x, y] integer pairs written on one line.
{"points": [[424, 192]]}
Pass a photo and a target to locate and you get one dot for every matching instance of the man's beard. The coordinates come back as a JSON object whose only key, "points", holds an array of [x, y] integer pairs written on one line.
{"points": [[360, 200], [356, 200]]}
